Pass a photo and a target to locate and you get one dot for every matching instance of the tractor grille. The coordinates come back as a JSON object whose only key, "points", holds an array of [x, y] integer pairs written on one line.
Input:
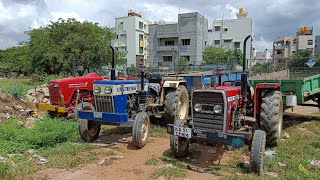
{"points": [[104, 103], [54, 95], [207, 120]]}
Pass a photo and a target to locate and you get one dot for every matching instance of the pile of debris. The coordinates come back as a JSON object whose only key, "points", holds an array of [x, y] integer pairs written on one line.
{"points": [[13, 107], [38, 95]]}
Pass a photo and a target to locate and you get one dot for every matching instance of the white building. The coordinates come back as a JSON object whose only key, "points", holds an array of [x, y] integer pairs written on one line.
{"points": [[132, 32], [261, 57], [231, 33]]}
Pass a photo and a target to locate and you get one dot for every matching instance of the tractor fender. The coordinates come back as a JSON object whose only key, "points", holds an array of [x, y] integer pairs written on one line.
{"points": [[174, 84]]}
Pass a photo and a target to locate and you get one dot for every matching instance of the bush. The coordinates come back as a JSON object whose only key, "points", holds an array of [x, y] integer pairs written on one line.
{"points": [[47, 133], [19, 88]]}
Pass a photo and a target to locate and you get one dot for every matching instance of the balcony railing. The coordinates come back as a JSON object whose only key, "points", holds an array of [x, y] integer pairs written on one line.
{"points": [[167, 48]]}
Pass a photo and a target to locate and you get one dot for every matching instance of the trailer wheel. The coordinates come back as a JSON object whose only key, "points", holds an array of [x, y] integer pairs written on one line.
{"points": [[89, 130], [176, 105], [272, 117], [258, 146], [179, 145], [140, 130]]}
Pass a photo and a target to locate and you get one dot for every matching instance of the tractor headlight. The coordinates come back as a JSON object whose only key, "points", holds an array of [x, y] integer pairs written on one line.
{"points": [[97, 89], [55, 85], [108, 90], [217, 109], [197, 107]]}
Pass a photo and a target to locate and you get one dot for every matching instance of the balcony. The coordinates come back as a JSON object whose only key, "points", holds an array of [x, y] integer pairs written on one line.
{"points": [[281, 47], [167, 48], [279, 56]]}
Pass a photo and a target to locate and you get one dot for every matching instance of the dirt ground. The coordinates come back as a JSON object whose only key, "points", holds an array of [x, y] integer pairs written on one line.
{"points": [[133, 166]]}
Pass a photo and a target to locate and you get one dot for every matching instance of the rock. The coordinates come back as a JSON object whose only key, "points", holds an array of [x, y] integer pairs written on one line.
{"points": [[30, 122], [116, 157], [315, 162], [26, 112], [286, 136], [42, 160], [168, 166], [302, 129], [7, 108], [246, 164], [161, 178], [31, 151], [281, 164], [3, 159], [271, 174], [212, 151]]}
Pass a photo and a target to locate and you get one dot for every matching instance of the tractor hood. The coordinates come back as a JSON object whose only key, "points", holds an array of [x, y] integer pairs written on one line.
{"points": [[78, 79]]}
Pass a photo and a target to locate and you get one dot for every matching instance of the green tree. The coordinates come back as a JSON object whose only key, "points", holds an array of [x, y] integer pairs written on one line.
{"points": [[222, 56], [300, 58], [181, 64], [53, 46]]}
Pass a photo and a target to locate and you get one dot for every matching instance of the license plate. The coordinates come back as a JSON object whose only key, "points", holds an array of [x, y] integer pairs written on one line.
{"points": [[182, 132], [97, 114]]}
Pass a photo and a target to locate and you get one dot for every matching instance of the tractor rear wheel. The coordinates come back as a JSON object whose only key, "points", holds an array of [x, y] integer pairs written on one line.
{"points": [[272, 117], [179, 145], [176, 105], [141, 130], [89, 130], [258, 146]]}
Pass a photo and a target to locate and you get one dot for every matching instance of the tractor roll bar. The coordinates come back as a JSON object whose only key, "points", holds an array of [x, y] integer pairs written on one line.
{"points": [[113, 71]]}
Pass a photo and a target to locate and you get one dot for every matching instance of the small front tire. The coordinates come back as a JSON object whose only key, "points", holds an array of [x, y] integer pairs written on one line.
{"points": [[258, 146], [89, 130], [141, 130]]}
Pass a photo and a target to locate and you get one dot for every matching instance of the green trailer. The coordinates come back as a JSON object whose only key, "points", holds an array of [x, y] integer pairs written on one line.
{"points": [[304, 89]]}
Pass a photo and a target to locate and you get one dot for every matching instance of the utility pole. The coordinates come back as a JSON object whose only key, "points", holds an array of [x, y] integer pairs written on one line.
{"points": [[221, 29]]}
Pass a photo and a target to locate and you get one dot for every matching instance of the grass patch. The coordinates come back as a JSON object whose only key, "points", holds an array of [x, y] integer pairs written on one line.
{"points": [[153, 161], [295, 152], [17, 85], [170, 172], [158, 131], [50, 138]]}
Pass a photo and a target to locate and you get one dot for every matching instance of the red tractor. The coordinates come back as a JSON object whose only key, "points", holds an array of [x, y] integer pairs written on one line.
{"points": [[66, 93], [232, 114]]}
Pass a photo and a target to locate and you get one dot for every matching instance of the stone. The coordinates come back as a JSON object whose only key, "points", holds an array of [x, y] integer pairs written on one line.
{"points": [[270, 153], [168, 166], [31, 151], [271, 174], [42, 160], [281, 164], [286, 136], [7, 108], [161, 178], [30, 122], [315, 162], [212, 151]]}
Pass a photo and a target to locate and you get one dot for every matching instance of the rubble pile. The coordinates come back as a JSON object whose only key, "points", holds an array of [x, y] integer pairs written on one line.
{"points": [[38, 95], [10, 106]]}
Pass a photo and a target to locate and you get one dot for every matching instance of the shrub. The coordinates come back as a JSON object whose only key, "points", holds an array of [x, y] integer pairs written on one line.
{"points": [[19, 88]]}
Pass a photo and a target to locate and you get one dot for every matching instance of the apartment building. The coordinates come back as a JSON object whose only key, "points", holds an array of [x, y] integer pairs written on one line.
{"points": [[185, 39], [230, 33], [132, 33], [261, 57], [317, 47], [284, 47]]}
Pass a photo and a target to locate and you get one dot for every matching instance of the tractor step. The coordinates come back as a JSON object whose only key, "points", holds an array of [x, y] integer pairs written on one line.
{"points": [[248, 118], [154, 105]]}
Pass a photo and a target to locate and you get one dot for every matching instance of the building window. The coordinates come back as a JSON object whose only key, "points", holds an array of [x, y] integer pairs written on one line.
{"points": [[216, 42], [169, 43], [167, 58], [141, 37], [217, 28], [144, 27], [226, 29], [123, 35], [117, 36], [227, 41], [140, 25], [141, 50], [237, 45], [186, 58], [310, 42], [185, 42]]}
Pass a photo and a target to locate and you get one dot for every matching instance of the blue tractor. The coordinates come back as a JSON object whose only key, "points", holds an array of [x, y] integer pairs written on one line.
{"points": [[118, 102]]}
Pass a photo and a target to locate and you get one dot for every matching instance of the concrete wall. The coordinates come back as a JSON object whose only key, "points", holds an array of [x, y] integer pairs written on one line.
{"points": [[317, 47]]}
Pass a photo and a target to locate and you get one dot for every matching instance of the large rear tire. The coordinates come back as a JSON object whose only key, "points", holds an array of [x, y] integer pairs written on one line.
{"points": [[89, 130], [258, 146], [176, 105], [272, 117], [141, 130]]}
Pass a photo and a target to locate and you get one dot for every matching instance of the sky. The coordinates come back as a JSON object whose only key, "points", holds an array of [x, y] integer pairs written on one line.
{"points": [[271, 18]]}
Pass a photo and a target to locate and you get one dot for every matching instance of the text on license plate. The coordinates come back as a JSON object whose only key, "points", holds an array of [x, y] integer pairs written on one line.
{"points": [[97, 114], [182, 132]]}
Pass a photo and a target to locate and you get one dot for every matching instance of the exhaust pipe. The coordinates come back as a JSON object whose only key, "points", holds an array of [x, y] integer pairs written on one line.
{"points": [[113, 71], [73, 66], [244, 80]]}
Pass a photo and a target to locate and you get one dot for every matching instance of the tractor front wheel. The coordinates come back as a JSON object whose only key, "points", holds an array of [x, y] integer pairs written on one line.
{"points": [[141, 130], [179, 145], [258, 146], [89, 130]]}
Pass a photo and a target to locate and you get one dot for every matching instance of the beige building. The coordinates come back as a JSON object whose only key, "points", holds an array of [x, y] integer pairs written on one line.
{"points": [[284, 47], [132, 33]]}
